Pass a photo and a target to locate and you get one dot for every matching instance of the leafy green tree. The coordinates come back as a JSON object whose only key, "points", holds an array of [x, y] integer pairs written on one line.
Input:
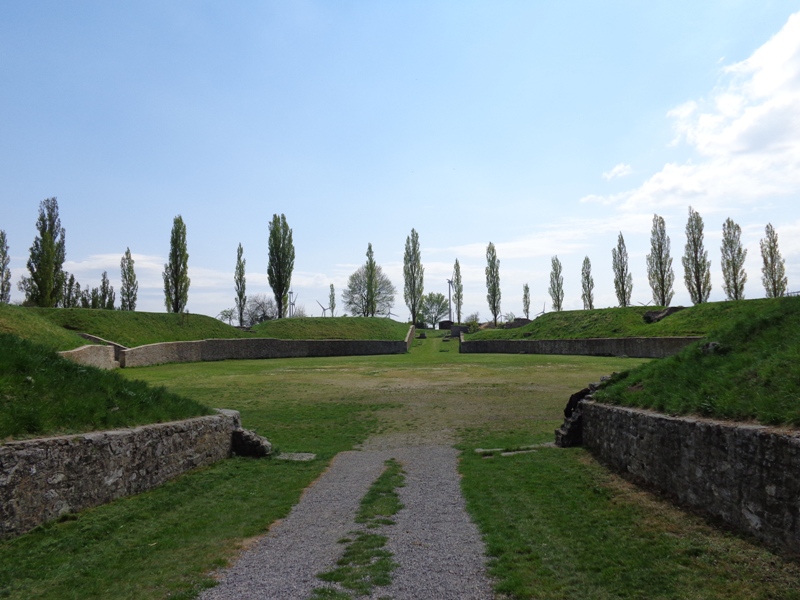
{"points": [[733, 256], [696, 266], [369, 291], [240, 282], [129, 290], [332, 301], [71, 298], [5, 272], [458, 290], [773, 273], [413, 273], [176, 271], [526, 301], [433, 307], [281, 261], [623, 280], [587, 285], [371, 283], [493, 281], [106, 293], [556, 289], [659, 264], [46, 284]]}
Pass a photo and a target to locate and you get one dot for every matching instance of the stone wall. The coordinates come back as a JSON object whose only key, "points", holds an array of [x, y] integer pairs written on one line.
{"points": [[746, 475], [43, 479], [256, 348], [92, 355], [634, 347]]}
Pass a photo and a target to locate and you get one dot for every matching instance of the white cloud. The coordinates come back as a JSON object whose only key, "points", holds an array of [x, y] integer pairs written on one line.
{"points": [[620, 170]]}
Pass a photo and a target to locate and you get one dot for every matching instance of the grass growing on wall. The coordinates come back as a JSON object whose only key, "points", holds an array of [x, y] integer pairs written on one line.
{"points": [[752, 371], [44, 394], [341, 328]]}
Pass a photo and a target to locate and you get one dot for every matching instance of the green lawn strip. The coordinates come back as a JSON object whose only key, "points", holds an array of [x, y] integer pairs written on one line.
{"points": [[365, 562], [44, 394], [754, 373], [558, 525], [342, 328]]}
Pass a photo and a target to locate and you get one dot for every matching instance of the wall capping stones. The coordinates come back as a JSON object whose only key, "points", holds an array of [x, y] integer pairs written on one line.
{"points": [[633, 347], [746, 475]]}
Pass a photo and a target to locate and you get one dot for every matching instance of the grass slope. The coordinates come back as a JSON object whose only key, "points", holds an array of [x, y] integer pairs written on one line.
{"points": [[29, 324], [626, 322], [753, 374], [44, 394], [333, 328]]}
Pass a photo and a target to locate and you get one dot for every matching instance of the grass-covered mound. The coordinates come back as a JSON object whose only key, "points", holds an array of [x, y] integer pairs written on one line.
{"points": [[44, 394], [625, 322], [132, 328], [333, 328], [29, 324], [751, 373]]}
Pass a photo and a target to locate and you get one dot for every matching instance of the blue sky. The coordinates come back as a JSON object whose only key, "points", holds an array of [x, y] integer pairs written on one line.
{"points": [[546, 128]]}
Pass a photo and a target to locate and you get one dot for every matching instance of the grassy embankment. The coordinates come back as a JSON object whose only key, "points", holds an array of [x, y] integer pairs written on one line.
{"points": [[556, 523], [625, 322], [333, 328]]}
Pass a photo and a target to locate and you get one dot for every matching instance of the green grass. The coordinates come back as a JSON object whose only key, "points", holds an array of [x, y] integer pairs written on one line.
{"points": [[626, 322], [753, 375], [365, 562], [329, 328], [44, 394], [29, 324]]}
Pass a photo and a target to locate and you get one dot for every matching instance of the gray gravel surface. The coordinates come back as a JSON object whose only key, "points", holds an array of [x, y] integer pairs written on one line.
{"points": [[437, 546]]}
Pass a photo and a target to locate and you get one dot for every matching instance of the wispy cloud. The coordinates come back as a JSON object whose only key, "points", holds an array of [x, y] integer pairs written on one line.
{"points": [[620, 170]]}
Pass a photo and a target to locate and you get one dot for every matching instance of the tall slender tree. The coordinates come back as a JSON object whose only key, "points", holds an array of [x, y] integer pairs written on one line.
{"points": [[587, 284], [369, 291], [71, 298], [526, 301], [372, 282], [659, 264], [623, 280], [773, 273], [556, 289], [696, 266], [733, 256], [5, 272], [493, 281], [129, 290], [176, 271], [458, 290], [413, 273], [332, 301], [240, 283], [46, 284], [281, 261], [106, 293]]}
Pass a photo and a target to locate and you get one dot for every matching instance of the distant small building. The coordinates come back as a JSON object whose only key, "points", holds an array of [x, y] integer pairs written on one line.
{"points": [[445, 325]]}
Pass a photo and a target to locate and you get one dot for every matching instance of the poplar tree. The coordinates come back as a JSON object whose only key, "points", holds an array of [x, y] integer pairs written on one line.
{"points": [[106, 293], [493, 281], [587, 284], [773, 273], [623, 280], [176, 271], [240, 283], [5, 272], [332, 301], [372, 283], [71, 298], [526, 301], [458, 290], [45, 286], [733, 256], [281, 261], [696, 266], [413, 273], [659, 264], [556, 289], [129, 289]]}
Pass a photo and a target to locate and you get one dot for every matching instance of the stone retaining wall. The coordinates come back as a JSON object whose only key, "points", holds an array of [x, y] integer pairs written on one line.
{"points": [[43, 479], [256, 348], [634, 347], [746, 475], [92, 355]]}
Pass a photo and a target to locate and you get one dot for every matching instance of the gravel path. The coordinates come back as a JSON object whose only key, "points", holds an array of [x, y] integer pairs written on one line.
{"points": [[437, 546]]}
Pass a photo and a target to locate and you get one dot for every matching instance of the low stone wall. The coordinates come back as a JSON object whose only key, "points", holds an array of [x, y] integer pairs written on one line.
{"points": [[256, 348], [92, 355], [634, 347], [43, 479], [746, 475]]}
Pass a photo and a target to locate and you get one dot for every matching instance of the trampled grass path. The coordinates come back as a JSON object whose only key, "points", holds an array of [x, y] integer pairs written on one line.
{"points": [[438, 549]]}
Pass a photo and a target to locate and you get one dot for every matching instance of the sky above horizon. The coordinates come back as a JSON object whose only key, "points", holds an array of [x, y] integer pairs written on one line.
{"points": [[545, 128]]}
